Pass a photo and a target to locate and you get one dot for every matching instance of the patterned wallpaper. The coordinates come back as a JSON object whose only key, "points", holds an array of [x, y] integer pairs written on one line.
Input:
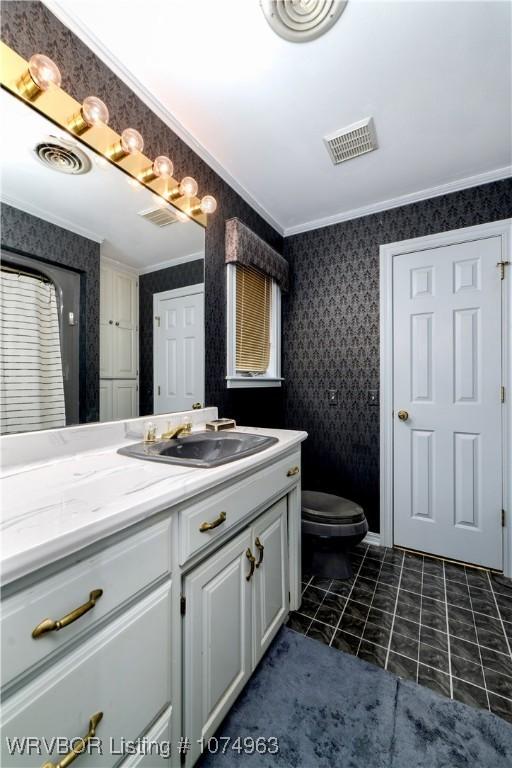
{"points": [[331, 333], [35, 237], [29, 27], [190, 273]]}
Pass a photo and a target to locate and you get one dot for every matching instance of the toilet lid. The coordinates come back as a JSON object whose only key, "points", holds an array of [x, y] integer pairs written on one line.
{"points": [[327, 508]]}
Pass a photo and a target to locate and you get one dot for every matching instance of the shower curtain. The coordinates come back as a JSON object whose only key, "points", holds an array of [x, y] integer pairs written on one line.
{"points": [[31, 382]]}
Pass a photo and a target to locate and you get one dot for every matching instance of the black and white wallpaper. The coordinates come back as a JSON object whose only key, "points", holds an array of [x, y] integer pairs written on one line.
{"points": [[31, 236], [189, 273], [331, 333]]}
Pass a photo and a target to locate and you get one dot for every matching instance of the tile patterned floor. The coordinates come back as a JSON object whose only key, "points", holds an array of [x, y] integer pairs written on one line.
{"points": [[444, 625]]}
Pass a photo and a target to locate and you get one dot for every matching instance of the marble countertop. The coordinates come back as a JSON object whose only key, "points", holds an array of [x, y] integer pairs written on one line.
{"points": [[53, 508]]}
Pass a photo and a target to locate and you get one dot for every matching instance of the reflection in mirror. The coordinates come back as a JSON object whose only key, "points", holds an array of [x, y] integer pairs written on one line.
{"points": [[101, 286]]}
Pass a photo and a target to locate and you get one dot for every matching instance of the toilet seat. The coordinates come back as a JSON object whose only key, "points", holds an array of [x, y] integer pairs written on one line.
{"points": [[319, 507]]}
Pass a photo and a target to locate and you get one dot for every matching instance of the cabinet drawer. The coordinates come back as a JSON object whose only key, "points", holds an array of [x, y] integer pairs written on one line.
{"points": [[234, 504], [121, 571], [123, 672]]}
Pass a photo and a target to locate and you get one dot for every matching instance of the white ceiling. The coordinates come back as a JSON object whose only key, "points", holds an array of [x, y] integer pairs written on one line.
{"points": [[435, 76], [100, 204]]}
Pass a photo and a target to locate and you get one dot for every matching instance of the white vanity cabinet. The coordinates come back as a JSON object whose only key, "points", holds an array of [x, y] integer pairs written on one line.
{"points": [[236, 600]]}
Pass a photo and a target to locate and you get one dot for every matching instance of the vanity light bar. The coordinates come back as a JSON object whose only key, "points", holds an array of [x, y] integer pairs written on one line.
{"points": [[38, 83]]}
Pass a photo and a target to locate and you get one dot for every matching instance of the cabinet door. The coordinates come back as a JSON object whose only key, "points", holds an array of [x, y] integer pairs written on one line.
{"points": [[125, 325], [217, 638], [106, 413], [124, 399], [106, 322], [271, 601]]}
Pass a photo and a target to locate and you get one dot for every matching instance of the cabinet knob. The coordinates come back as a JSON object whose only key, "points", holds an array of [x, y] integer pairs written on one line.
{"points": [[117, 322], [111, 322], [81, 745]]}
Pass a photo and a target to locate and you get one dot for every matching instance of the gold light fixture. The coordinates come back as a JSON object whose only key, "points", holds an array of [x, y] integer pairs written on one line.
{"points": [[30, 79], [92, 112], [40, 75], [207, 205], [187, 188], [131, 141], [162, 168]]}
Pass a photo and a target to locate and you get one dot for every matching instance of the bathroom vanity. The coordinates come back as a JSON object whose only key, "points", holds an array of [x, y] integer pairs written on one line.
{"points": [[169, 584]]}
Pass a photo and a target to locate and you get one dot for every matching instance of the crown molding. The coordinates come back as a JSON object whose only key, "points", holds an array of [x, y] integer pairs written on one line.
{"points": [[82, 31], [397, 202], [171, 263], [52, 218]]}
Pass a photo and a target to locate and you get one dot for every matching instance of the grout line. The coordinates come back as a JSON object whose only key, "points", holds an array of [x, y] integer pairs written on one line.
{"points": [[448, 633], [500, 616], [394, 617], [421, 613], [479, 650], [369, 609], [348, 598]]}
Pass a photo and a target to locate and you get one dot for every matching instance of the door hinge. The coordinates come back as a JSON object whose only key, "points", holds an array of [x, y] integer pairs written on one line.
{"points": [[183, 605], [502, 391], [157, 320], [501, 266], [502, 518]]}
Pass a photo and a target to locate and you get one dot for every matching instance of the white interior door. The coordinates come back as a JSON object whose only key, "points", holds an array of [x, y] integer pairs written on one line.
{"points": [[178, 349], [447, 378]]}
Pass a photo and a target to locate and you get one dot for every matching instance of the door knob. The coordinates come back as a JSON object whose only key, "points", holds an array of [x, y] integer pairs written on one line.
{"points": [[403, 415]]}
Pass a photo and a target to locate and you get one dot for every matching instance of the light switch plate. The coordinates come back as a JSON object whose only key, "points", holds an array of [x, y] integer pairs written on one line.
{"points": [[373, 397]]}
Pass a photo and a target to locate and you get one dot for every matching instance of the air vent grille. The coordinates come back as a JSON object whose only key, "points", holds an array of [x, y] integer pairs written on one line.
{"points": [[63, 156], [352, 141], [160, 217]]}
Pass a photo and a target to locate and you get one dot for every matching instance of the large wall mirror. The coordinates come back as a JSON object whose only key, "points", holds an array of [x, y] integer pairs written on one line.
{"points": [[102, 286]]}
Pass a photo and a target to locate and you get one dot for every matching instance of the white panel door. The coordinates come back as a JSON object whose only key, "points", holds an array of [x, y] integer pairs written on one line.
{"points": [[447, 378], [271, 603], [217, 638], [106, 322], [125, 325], [178, 350], [124, 399]]}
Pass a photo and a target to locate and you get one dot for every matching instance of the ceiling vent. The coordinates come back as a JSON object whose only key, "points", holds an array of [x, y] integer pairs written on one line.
{"points": [[160, 217], [62, 156], [301, 20], [352, 141]]}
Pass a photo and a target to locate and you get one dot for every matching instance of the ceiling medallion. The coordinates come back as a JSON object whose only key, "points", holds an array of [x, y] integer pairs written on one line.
{"points": [[302, 20]]}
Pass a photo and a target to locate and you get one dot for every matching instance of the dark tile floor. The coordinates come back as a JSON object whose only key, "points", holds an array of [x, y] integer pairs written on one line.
{"points": [[444, 625]]}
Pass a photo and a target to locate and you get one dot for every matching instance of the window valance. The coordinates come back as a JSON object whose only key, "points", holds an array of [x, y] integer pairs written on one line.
{"points": [[244, 247]]}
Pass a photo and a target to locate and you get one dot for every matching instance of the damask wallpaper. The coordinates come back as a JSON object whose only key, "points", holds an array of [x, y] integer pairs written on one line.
{"points": [[190, 273], [35, 237], [331, 333], [29, 27]]}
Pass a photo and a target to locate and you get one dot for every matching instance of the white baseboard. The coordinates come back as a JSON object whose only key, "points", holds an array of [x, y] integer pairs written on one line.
{"points": [[372, 538]]}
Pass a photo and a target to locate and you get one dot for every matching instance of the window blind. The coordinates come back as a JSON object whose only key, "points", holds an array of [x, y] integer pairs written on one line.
{"points": [[253, 319], [31, 381]]}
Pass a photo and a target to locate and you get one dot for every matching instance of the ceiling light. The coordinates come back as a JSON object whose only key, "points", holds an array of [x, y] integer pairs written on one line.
{"points": [[207, 205], [162, 168], [93, 112]]}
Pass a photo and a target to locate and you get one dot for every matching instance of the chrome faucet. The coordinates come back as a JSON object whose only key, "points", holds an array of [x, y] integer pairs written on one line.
{"points": [[173, 432]]}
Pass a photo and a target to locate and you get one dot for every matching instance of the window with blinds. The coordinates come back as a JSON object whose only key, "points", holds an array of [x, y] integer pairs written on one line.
{"points": [[253, 320]]}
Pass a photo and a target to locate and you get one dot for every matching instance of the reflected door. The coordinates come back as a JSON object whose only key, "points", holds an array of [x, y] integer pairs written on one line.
{"points": [[447, 401], [178, 349]]}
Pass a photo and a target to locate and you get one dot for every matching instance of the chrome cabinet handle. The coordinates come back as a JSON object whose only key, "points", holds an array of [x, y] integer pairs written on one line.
{"points": [[293, 471], [81, 746], [214, 523], [48, 625], [249, 555], [261, 549]]}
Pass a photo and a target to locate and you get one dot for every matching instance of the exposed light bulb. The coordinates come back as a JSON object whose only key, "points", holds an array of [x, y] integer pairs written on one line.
{"points": [[208, 204], [188, 187], [94, 111], [44, 72], [163, 167], [131, 141]]}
